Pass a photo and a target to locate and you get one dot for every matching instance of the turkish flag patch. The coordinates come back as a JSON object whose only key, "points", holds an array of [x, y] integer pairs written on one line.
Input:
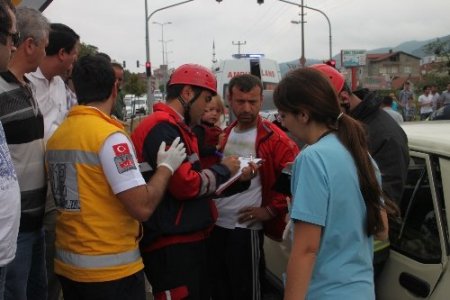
{"points": [[124, 160], [121, 149]]}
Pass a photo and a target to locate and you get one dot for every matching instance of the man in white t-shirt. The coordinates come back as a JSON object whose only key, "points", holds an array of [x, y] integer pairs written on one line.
{"points": [[425, 103], [100, 193], [237, 239], [9, 186]]}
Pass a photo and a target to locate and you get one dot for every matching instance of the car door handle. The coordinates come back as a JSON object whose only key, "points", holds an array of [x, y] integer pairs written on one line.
{"points": [[414, 284]]}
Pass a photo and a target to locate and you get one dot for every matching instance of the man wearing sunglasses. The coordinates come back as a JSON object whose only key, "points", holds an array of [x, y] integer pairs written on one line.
{"points": [[9, 186], [24, 130], [8, 33]]}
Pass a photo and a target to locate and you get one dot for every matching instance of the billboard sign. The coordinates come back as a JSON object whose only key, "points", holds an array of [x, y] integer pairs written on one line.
{"points": [[353, 58]]}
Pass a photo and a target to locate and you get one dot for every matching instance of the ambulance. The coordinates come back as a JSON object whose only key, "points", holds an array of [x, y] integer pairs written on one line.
{"points": [[266, 69]]}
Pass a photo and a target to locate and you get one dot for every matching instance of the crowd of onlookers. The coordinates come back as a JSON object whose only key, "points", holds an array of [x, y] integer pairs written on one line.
{"points": [[429, 105]]}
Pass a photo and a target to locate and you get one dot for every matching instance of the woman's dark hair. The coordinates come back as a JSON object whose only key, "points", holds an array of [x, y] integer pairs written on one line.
{"points": [[309, 90]]}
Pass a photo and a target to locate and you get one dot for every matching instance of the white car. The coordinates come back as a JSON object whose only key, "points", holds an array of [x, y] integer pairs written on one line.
{"points": [[418, 265], [128, 99], [158, 96], [139, 105]]}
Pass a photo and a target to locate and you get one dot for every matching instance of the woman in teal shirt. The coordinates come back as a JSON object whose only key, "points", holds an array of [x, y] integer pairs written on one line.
{"points": [[336, 207]]}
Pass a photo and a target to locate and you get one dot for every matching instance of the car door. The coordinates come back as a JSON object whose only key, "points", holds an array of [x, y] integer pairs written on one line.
{"points": [[419, 241]]}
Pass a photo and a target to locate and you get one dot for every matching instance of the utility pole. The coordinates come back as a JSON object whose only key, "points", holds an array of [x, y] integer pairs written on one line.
{"points": [[147, 46], [319, 11], [163, 41], [163, 64], [166, 51], [302, 58], [239, 44]]}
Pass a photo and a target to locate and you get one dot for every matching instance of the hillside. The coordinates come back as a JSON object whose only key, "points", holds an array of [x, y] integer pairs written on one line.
{"points": [[415, 48]]}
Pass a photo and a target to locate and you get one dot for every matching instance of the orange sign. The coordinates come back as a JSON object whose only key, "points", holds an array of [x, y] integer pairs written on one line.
{"points": [[36, 4]]}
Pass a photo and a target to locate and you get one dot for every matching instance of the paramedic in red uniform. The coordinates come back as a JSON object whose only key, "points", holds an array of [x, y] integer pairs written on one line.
{"points": [[174, 244]]}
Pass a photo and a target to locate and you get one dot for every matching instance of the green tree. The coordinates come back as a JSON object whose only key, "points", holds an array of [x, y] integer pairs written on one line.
{"points": [[440, 48], [86, 49], [134, 84], [440, 81]]}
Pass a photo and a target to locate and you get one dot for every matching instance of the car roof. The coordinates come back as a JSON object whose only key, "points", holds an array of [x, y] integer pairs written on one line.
{"points": [[429, 136]]}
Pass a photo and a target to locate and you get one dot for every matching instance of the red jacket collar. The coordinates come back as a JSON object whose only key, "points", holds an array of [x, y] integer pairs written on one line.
{"points": [[164, 108], [263, 131]]}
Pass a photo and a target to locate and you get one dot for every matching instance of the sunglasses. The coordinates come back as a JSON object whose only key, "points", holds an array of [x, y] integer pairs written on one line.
{"points": [[15, 37]]}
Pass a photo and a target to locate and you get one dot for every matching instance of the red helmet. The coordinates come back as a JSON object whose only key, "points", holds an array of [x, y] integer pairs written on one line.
{"points": [[195, 75], [336, 78]]}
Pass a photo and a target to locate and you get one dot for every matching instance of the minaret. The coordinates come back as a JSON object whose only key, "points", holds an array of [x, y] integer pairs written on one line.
{"points": [[214, 60]]}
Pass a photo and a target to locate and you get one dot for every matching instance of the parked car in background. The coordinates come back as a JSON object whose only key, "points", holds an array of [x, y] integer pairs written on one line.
{"points": [[418, 266], [135, 105], [158, 95], [139, 105], [128, 99]]}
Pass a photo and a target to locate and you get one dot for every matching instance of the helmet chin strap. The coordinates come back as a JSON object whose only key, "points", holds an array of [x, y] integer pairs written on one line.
{"points": [[187, 106]]}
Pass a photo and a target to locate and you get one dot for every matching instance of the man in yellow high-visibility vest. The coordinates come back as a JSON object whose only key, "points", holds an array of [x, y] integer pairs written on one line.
{"points": [[100, 193]]}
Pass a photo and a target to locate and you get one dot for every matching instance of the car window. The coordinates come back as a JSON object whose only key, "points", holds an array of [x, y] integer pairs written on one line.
{"points": [[416, 234]]}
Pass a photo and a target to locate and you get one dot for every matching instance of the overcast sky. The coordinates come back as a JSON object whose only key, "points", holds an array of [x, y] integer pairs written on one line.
{"points": [[117, 27]]}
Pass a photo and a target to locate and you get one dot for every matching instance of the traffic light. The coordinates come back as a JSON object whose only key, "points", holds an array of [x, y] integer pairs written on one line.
{"points": [[148, 68], [137, 64], [260, 1], [331, 63], [124, 64], [218, 1]]}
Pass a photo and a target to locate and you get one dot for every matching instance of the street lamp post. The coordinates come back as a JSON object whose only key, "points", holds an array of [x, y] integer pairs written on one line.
{"points": [[166, 62], [319, 11], [162, 38], [147, 46], [163, 64]]}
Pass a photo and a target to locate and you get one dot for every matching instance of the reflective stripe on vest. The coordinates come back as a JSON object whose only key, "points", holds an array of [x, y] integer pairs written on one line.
{"points": [[63, 174], [97, 261], [72, 156]]}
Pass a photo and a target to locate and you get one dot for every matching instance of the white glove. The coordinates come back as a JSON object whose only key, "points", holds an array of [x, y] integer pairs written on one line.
{"points": [[173, 157]]}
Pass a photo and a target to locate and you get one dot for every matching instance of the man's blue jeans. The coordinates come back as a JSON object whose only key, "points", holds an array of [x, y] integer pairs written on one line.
{"points": [[26, 276]]}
